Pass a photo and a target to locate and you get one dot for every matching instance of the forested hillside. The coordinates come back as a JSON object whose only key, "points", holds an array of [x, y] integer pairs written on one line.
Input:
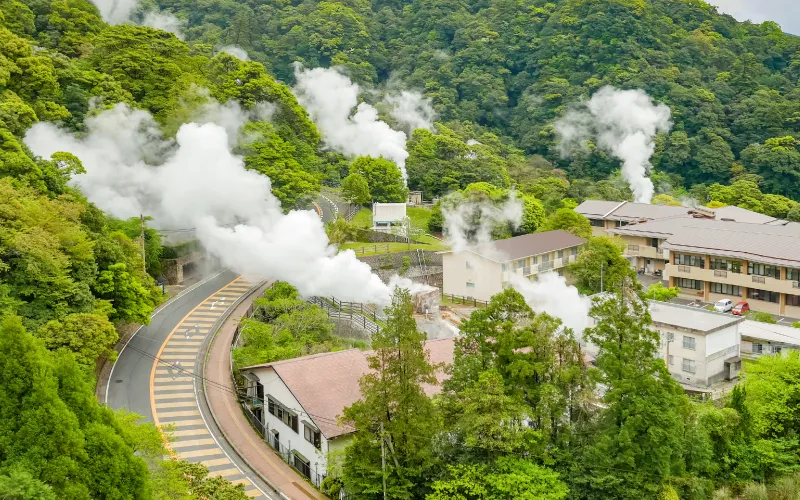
{"points": [[514, 66]]}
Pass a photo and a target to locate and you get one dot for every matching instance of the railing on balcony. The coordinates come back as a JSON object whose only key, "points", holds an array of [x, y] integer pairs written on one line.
{"points": [[659, 252], [795, 284], [684, 269], [759, 279], [720, 274], [546, 266], [633, 248], [526, 271]]}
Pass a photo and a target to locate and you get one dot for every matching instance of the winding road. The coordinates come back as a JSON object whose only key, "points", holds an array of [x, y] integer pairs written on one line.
{"points": [[157, 375]]}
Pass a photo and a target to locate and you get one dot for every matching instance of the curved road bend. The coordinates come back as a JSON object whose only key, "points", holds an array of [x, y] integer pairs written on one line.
{"points": [[166, 396]]}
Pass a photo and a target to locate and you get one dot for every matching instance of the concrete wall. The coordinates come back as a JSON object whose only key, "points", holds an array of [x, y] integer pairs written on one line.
{"points": [[461, 268], [722, 339], [277, 390]]}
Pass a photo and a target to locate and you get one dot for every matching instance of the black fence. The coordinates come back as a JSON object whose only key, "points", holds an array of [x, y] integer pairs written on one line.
{"points": [[460, 299]]}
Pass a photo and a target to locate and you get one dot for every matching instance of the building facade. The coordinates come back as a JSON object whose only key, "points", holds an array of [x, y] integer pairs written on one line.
{"points": [[482, 273]]}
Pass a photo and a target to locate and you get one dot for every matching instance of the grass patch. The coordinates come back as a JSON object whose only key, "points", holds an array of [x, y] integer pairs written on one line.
{"points": [[363, 218]]}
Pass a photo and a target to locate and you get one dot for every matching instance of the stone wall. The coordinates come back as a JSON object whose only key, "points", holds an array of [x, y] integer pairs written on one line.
{"points": [[395, 260]]}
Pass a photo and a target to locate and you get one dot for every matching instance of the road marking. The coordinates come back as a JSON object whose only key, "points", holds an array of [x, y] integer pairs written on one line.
{"points": [[183, 345]]}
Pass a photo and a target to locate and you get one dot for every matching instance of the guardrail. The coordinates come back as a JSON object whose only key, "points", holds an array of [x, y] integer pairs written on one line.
{"points": [[358, 314], [460, 299]]}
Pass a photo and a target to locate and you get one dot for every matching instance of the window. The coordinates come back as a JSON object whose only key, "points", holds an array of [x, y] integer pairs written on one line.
{"points": [[689, 284], [620, 223], [291, 421], [654, 242], [765, 295], [757, 348], [470, 284], [312, 435], [545, 258], [733, 266], [726, 289], [764, 270], [689, 365], [505, 267], [792, 274], [689, 342], [272, 407], [671, 359], [560, 254], [573, 251], [519, 263], [302, 464], [689, 260], [535, 259], [597, 222], [793, 300]]}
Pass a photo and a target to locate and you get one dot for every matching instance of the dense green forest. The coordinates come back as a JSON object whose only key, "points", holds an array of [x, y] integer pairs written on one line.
{"points": [[511, 67]]}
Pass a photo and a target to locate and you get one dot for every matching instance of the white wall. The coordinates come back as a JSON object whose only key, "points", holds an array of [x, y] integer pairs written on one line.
{"points": [[484, 273], [277, 390], [722, 339]]}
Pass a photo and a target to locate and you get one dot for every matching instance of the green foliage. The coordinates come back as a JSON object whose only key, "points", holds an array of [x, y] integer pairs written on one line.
{"points": [[796, 324], [87, 336], [355, 189], [532, 214], [383, 178], [657, 291], [394, 412], [602, 260], [762, 317], [130, 300], [340, 231], [509, 477], [566, 219]]}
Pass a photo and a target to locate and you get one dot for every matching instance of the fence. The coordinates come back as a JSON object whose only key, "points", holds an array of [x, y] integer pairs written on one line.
{"points": [[364, 317], [372, 249], [460, 299]]}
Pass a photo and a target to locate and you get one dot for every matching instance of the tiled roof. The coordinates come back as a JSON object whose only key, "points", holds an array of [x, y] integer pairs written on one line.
{"points": [[326, 384], [536, 244], [742, 215], [597, 208], [627, 211]]}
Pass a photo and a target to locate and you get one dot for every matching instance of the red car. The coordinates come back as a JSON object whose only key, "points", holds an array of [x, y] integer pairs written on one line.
{"points": [[741, 309]]}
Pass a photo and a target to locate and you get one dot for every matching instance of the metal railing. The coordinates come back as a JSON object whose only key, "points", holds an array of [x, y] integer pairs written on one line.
{"points": [[720, 274], [358, 314], [759, 279], [795, 284], [684, 269], [460, 299], [546, 266], [633, 248]]}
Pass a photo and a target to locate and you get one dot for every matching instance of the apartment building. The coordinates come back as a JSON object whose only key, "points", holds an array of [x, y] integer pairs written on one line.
{"points": [[482, 273], [298, 402]]}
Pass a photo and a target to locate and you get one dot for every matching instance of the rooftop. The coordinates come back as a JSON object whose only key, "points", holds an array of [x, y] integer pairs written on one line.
{"points": [[690, 318], [325, 384], [631, 212], [779, 334], [529, 245]]}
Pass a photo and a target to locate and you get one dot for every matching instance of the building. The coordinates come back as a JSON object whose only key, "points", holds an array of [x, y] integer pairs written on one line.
{"points": [[385, 215], [482, 273], [301, 400], [699, 347]]}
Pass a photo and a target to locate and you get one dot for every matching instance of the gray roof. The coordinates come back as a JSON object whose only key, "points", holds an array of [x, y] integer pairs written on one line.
{"points": [[777, 245], [597, 208], [780, 334], [528, 245], [743, 215], [690, 318], [638, 211]]}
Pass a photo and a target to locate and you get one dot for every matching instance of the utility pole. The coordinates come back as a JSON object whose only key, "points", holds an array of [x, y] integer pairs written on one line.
{"points": [[601, 277], [383, 462], [144, 261]]}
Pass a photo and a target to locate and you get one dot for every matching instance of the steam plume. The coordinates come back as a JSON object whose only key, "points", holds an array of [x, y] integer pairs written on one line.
{"points": [[235, 51], [468, 224], [122, 11], [330, 98], [164, 21], [199, 183], [624, 123], [411, 110], [550, 293]]}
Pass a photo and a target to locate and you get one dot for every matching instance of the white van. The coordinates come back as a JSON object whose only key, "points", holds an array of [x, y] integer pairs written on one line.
{"points": [[723, 305]]}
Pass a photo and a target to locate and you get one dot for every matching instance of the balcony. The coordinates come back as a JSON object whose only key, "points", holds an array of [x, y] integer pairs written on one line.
{"points": [[732, 278], [720, 274], [759, 279], [684, 269], [646, 252]]}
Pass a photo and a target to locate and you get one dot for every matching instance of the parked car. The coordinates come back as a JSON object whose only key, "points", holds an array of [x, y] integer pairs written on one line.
{"points": [[723, 305], [741, 309]]}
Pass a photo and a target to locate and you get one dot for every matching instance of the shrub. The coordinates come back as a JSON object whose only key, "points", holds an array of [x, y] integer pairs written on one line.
{"points": [[763, 317]]}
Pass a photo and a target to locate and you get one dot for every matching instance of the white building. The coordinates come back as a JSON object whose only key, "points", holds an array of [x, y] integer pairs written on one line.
{"points": [[482, 273], [301, 400], [385, 215]]}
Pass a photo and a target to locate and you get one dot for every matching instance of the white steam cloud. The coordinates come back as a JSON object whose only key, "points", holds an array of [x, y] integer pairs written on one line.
{"points": [[411, 110], [164, 21], [122, 11], [235, 51], [331, 98], [468, 225], [195, 181], [551, 294], [624, 123]]}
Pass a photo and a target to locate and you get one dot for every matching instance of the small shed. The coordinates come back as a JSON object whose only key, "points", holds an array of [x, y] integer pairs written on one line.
{"points": [[386, 214]]}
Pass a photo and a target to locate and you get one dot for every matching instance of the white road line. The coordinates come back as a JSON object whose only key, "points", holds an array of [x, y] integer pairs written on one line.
{"points": [[170, 301]]}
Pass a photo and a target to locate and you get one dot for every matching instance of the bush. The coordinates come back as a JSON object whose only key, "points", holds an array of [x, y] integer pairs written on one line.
{"points": [[796, 324], [762, 317]]}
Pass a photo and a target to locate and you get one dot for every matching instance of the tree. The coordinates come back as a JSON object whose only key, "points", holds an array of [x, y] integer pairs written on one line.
{"points": [[20, 485], [383, 178], [665, 199], [657, 291], [394, 412], [569, 220], [602, 265], [777, 161], [532, 214], [355, 189], [509, 477], [88, 336], [340, 231], [636, 445], [130, 300]]}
